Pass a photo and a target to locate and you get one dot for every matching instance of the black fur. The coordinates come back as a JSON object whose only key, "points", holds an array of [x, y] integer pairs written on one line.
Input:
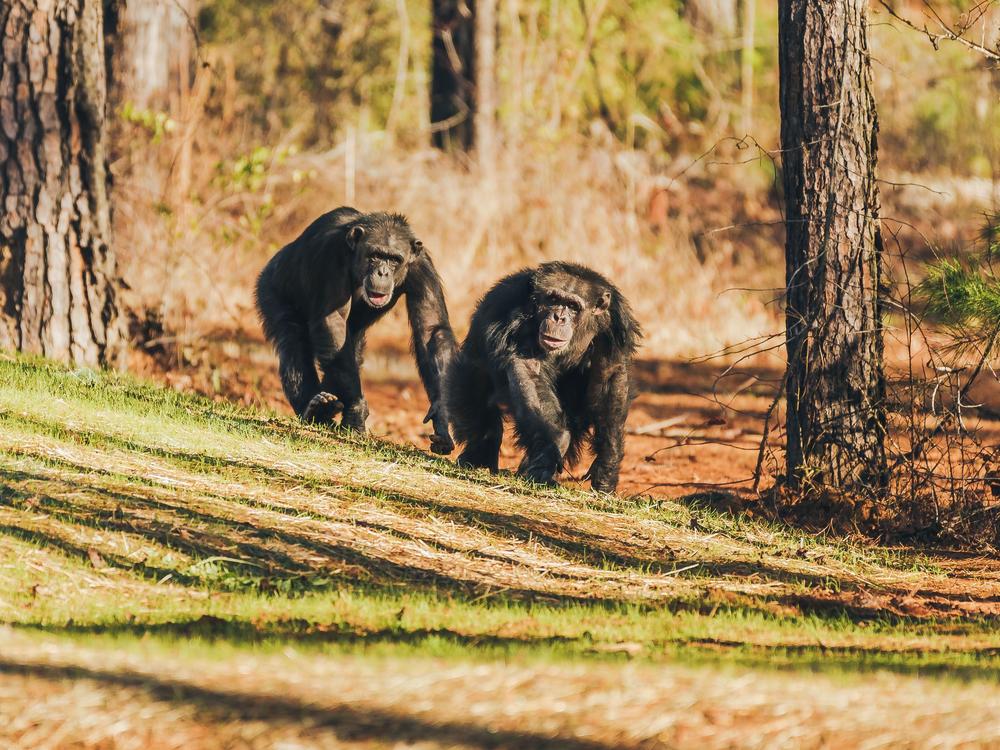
{"points": [[557, 399], [315, 300]]}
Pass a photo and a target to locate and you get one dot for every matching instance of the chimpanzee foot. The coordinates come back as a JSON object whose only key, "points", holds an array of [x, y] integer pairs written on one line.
{"points": [[322, 408], [603, 479]]}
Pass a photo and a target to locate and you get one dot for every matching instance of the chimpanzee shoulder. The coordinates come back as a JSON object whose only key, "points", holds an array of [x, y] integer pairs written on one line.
{"points": [[497, 328]]}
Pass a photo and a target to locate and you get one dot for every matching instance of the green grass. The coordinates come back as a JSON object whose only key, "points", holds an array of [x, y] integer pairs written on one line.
{"points": [[129, 511]]}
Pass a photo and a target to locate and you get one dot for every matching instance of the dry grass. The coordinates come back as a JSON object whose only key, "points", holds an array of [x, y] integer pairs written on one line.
{"points": [[92, 696], [587, 201], [298, 588]]}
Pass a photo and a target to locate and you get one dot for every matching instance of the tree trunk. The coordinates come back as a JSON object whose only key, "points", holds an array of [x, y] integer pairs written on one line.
{"points": [[486, 85], [453, 74], [714, 16], [746, 65], [154, 64], [58, 283], [835, 382]]}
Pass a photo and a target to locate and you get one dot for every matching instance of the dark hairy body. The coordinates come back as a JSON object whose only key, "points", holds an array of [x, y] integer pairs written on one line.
{"points": [[551, 347], [318, 296]]}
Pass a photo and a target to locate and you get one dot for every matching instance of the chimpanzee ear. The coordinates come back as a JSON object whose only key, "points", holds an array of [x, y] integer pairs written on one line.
{"points": [[354, 235], [603, 302], [417, 246]]}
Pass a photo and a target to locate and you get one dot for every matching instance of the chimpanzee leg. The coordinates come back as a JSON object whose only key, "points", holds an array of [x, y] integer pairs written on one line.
{"points": [[475, 420], [342, 377], [609, 398], [295, 360], [483, 451]]}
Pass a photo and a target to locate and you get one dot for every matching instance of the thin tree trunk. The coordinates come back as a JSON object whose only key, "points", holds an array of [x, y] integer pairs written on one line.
{"points": [[716, 16], [746, 65], [453, 74], [157, 52], [58, 283], [836, 385], [486, 85]]}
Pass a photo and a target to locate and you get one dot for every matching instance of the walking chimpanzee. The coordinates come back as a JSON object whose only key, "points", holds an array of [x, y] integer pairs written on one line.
{"points": [[552, 347], [318, 296]]}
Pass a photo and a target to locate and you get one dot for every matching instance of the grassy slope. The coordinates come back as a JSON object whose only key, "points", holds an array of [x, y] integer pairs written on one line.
{"points": [[273, 549]]}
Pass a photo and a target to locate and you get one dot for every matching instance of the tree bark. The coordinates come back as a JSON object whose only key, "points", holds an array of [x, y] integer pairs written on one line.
{"points": [[453, 74], [835, 383], [58, 282]]}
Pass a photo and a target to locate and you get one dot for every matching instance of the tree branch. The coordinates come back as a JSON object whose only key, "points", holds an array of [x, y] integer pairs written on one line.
{"points": [[946, 32]]}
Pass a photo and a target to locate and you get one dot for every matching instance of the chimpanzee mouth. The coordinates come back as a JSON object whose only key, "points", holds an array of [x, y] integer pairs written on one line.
{"points": [[552, 343], [377, 299]]}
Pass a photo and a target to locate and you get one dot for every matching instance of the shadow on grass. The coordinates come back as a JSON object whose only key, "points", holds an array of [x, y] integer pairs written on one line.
{"points": [[231, 537], [588, 547], [259, 569], [296, 630], [707, 652], [348, 723]]}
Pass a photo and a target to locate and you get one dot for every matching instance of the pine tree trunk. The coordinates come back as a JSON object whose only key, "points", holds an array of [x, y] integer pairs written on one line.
{"points": [[835, 383], [453, 74], [58, 283]]}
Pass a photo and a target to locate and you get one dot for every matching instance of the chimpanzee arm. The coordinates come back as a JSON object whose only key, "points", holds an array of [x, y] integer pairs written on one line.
{"points": [[608, 398], [329, 334], [433, 343], [539, 420]]}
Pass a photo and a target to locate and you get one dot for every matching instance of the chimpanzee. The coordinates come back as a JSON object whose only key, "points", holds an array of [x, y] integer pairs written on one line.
{"points": [[319, 294], [552, 347]]}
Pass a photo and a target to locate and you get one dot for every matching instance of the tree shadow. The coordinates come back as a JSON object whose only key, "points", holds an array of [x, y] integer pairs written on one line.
{"points": [[264, 567], [348, 723]]}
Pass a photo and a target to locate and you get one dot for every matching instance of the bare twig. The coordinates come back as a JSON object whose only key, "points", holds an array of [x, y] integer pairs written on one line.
{"points": [[945, 32], [767, 428]]}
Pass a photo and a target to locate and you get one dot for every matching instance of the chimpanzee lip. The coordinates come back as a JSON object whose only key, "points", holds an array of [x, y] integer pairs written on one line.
{"points": [[552, 343], [377, 299]]}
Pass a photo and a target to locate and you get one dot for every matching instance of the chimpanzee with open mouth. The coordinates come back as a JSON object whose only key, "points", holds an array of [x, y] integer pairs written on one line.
{"points": [[551, 347], [318, 296]]}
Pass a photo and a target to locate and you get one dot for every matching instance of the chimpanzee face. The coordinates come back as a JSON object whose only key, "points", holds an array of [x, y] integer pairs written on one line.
{"points": [[567, 313], [381, 259]]}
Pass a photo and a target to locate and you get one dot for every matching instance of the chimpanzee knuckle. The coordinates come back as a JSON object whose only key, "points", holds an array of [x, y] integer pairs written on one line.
{"points": [[442, 445], [604, 484]]}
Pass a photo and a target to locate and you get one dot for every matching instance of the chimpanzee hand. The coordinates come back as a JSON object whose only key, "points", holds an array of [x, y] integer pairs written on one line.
{"points": [[355, 416], [441, 442], [322, 408], [540, 468]]}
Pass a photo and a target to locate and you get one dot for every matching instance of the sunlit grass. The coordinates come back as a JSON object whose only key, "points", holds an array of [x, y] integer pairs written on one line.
{"points": [[130, 510]]}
